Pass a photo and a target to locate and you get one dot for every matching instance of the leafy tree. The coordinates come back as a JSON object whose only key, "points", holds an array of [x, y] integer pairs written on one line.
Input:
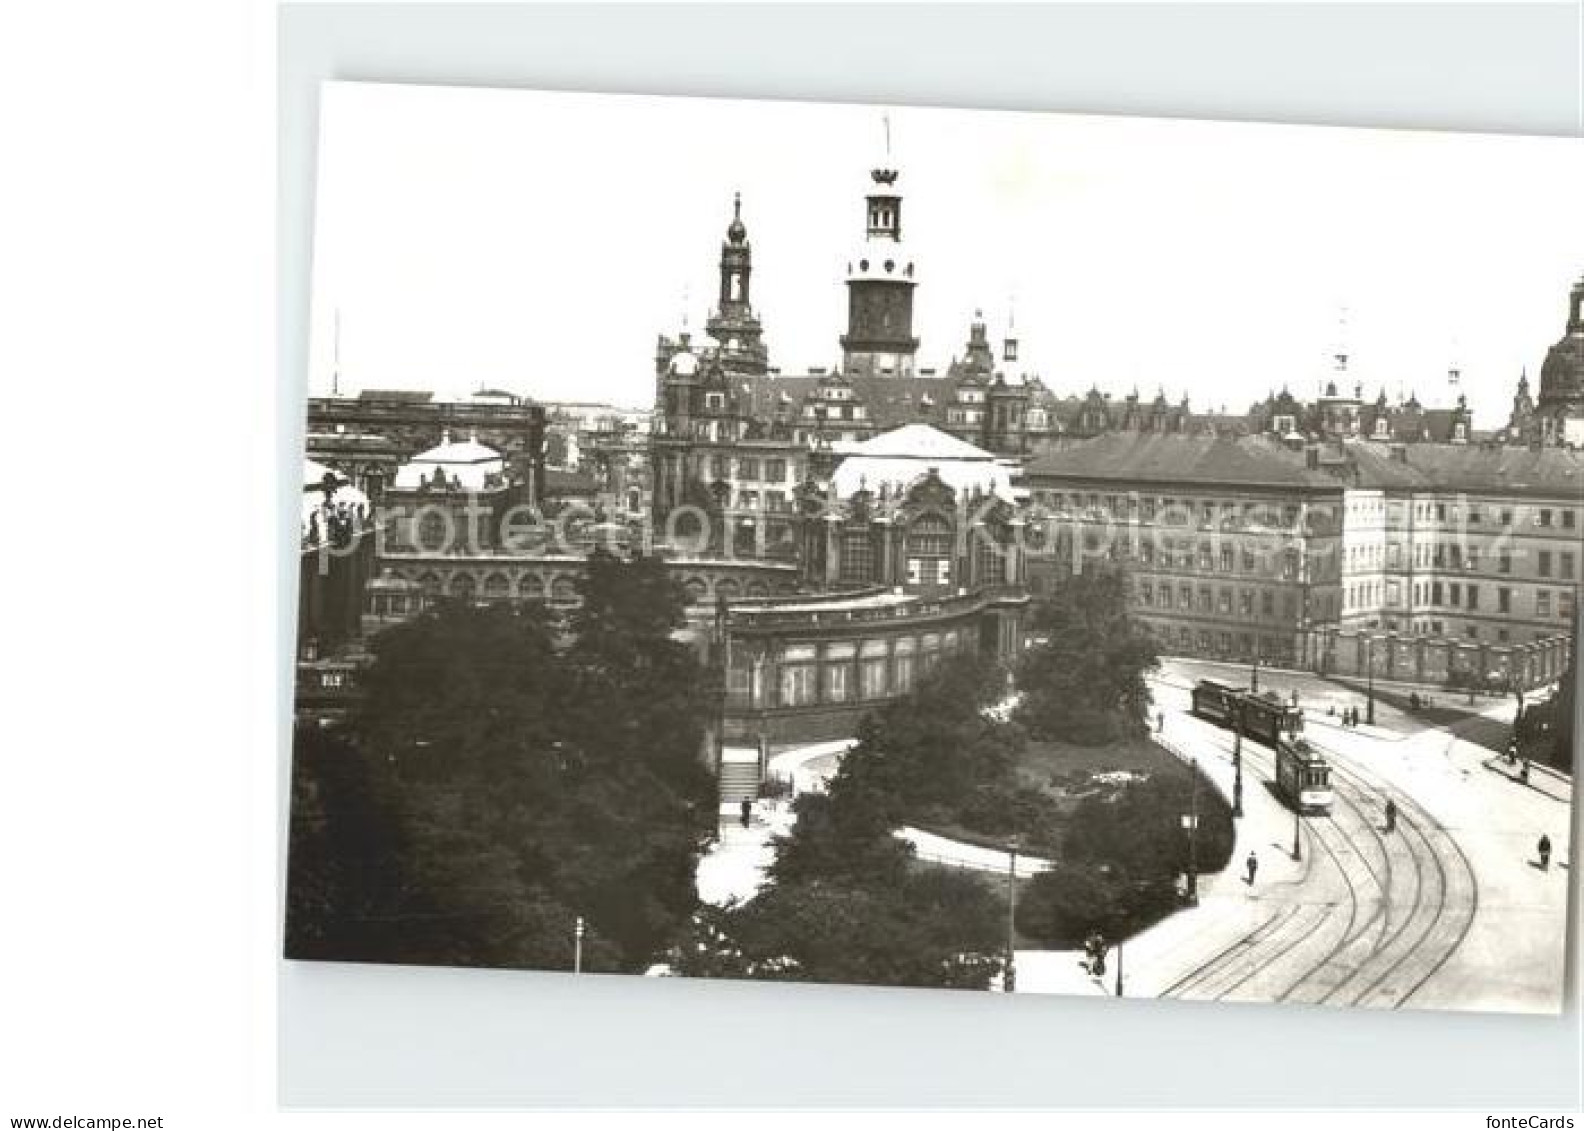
{"points": [[928, 926], [1121, 856], [1085, 683], [499, 781], [1062, 906]]}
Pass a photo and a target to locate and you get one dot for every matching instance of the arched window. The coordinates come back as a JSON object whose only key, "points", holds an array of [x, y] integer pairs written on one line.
{"points": [[697, 589], [727, 590], [563, 591], [496, 587], [531, 587], [463, 586]]}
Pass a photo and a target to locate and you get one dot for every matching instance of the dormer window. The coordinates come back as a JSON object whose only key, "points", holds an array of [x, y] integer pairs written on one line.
{"points": [[715, 400]]}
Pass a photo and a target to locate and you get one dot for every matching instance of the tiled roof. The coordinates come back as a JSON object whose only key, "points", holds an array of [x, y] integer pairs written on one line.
{"points": [[1174, 458], [1496, 468]]}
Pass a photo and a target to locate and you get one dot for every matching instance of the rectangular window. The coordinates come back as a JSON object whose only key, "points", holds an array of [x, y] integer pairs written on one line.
{"points": [[1543, 603], [1146, 593], [1226, 559], [1435, 593], [1455, 594], [1543, 565], [1504, 600], [1568, 520], [1566, 569], [836, 682], [874, 678], [857, 557], [748, 469], [1267, 603], [775, 470], [1504, 563], [1545, 517], [797, 684], [1473, 597]]}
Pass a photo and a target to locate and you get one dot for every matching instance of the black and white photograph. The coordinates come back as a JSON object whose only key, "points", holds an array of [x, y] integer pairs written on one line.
{"points": [[996, 551]]}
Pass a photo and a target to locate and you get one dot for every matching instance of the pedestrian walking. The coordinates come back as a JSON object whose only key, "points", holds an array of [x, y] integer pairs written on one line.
{"points": [[1523, 772], [1253, 866], [747, 812], [1544, 848], [1391, 815]]}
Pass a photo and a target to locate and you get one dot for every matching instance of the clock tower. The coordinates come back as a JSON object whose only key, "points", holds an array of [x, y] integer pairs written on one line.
{"points": [[880, 279]]}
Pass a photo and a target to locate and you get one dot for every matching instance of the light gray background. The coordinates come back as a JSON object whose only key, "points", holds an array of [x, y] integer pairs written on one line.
{"points": [[373, 1036]]}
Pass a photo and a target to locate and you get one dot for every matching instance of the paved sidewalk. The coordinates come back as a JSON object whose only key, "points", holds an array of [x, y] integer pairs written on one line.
{"points": [[736, 864], [959, 854]]}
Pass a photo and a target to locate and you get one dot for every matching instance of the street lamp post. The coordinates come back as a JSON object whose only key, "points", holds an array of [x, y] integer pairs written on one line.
{"points": [[1297, 852], [577, 946], [1011, 970], [1191, 823], [1369, 661], [1119, 969], [1237, 765]]}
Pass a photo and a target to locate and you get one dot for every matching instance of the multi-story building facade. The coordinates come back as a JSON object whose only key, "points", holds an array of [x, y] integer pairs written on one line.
{"points": [[1450, 558], [1234, 545]]}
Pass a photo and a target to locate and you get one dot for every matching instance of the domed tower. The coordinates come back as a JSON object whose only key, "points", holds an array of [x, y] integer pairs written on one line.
{"points": [[1560, 405], [880, 281], [733, 325]]}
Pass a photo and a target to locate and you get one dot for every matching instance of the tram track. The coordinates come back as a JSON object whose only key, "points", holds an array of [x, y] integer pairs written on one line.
{"points": [[1402, 924]]}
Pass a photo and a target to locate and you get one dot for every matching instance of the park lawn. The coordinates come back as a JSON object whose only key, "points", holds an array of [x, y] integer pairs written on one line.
{"points": [[1063, 772], [1056, 767]]}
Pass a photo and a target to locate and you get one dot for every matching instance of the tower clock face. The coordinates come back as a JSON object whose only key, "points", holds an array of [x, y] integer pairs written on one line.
{"points": [[881, 312]]}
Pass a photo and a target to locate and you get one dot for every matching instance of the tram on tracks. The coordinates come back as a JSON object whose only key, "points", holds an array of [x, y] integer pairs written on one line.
{"points": [[1303, 776], [1264, 718]]}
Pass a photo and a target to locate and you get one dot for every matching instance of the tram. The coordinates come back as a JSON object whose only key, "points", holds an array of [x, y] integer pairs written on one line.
{"points": [[1303, 776], [1265, 719], [1215, 701]]}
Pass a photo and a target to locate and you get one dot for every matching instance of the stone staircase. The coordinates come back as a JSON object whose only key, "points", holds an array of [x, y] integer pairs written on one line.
{"points": [[739, 775]]}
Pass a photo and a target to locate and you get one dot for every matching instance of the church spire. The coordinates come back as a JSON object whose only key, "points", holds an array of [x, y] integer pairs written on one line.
{"points": [[733, 324]]}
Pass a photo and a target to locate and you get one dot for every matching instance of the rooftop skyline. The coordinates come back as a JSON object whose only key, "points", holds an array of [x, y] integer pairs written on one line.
{"points": [[538, 242]]}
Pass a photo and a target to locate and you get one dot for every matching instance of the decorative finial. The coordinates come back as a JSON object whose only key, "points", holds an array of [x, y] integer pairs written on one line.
{"points": [[737, 206]]}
